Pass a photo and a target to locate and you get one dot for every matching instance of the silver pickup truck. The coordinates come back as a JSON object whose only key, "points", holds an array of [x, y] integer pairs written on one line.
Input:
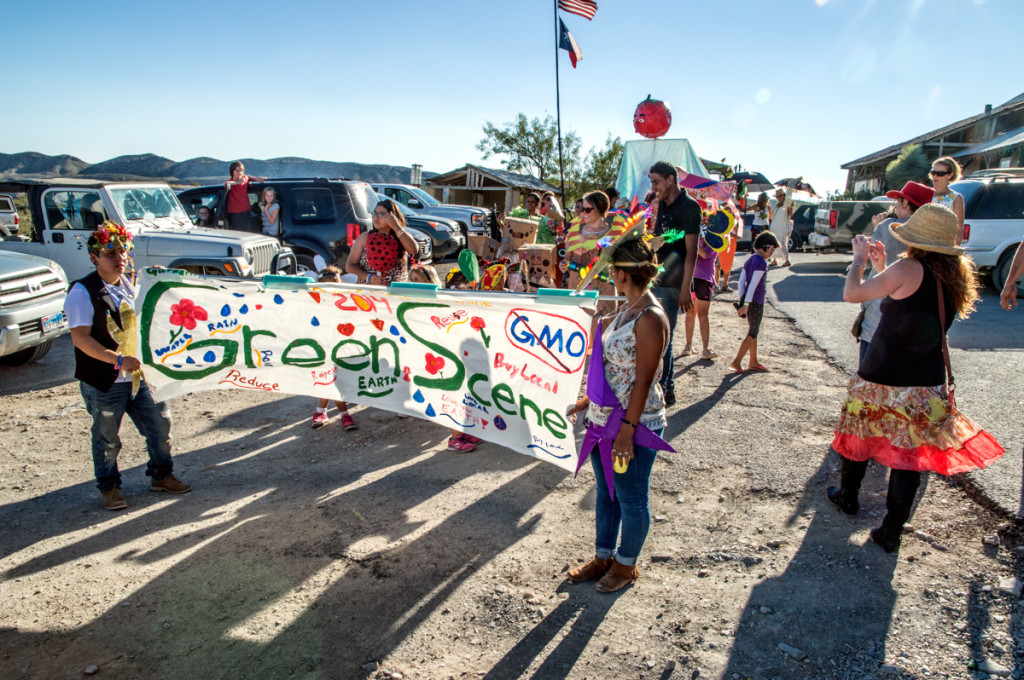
{"points": [[837, 222], [62, 213], [31, 307], [473, 220]]}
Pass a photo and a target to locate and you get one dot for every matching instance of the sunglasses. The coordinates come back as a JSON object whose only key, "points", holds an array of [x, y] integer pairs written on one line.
{"points": [[586, 210], [939, 173], [382, 215]]}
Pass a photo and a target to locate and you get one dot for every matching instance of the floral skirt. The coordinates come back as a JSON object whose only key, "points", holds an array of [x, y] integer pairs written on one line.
{"points": [[911, 428]]}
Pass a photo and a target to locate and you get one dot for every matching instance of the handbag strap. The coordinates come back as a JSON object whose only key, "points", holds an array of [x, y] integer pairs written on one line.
{"points": [[950, 383]]}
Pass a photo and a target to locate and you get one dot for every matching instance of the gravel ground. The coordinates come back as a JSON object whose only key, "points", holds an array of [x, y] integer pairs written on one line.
{"points": [[378, 553]]}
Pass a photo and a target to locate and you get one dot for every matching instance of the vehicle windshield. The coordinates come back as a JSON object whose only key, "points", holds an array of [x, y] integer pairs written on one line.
{"points": [[147, 203], [405, 210], [364, 200], [424, 196]]}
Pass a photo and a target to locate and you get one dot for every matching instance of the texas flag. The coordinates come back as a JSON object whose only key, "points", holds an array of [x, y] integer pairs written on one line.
{"points": [[568, 43]]}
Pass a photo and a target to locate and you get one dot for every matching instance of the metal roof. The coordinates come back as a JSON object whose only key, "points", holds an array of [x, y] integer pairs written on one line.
{"points": [[501, 176], [1012, 105], [1011, 138]]}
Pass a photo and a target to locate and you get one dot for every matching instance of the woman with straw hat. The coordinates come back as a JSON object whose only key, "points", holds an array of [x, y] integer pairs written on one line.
{"points": [[900, 409]]}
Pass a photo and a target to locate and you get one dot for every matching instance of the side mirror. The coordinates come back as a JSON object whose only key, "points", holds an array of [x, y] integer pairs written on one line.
{"points": [[415, 204]]}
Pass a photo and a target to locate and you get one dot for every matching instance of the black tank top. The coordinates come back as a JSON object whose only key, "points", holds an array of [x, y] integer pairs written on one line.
{"points": [[906, 349]]}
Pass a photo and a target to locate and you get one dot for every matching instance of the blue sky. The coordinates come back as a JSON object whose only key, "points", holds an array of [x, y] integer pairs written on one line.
{"points": [[795, 87]]}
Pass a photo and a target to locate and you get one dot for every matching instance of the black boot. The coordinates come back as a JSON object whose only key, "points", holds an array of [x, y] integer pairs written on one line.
{"points": [[851, 473], [903, 486]]}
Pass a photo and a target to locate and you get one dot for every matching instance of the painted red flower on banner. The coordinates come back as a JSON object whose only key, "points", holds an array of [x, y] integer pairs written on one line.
{"points": [[477, 323], [186, 313]]}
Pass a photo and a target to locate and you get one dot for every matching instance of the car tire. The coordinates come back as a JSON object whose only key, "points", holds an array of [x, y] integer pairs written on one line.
{"points": [[793, 242], [27, 355], [303, 264], [1002, 270]]}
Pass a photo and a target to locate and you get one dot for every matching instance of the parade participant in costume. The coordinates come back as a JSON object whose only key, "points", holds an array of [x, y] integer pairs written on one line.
{"points": [[100, 310], [331, 274], [239, 210], [552, 219], [762, 216], [581, 242], [782, 221], [751, 303], [906, 202], [626, 415], [944, 172], [381, 255], [424, 273], [703, 283], [679, 224], [723, 267], [899, 410], [462, 277]]}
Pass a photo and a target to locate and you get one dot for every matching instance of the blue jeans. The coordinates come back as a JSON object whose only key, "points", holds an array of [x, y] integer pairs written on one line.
{"points": [[863, 352], [669, 299], [630, 509], [152, 420]]}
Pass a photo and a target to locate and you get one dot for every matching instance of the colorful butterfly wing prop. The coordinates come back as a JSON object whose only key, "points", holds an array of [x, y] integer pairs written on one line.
{"points": [[716, 233]]}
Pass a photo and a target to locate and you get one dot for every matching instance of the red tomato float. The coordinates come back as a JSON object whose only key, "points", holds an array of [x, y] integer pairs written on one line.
{"points": [[652, 118]]}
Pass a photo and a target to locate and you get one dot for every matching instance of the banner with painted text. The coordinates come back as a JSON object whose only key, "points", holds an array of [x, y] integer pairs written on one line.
{"points": [[502, 367]]}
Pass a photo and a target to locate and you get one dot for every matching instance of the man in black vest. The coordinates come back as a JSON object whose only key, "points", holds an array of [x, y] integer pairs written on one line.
{"points": [[680, 214], [105, 374]]}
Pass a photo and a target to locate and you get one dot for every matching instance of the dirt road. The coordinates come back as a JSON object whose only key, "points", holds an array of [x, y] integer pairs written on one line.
{"points": [[378, 553]]}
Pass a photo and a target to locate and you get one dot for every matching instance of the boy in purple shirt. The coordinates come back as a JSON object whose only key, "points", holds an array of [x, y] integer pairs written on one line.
{"points": [[751, 301]]}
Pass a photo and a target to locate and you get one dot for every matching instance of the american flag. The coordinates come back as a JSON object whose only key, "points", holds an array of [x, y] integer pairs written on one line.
{"points": [[585, 8]]}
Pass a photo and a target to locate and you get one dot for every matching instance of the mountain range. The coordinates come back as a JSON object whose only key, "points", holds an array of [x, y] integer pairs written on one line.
{"points": [[202, 170]]}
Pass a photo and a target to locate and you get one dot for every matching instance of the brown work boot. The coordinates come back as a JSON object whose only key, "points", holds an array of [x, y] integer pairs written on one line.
{"points": [[618, 576], [170, 484], [113, 499], [595, 568]]}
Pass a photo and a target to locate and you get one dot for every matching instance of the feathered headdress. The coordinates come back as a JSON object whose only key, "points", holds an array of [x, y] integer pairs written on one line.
{"points": [[110, 236]]}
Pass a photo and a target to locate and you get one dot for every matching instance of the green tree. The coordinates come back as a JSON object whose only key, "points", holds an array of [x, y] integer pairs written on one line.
{"points": [[531, 147], [911, 165], [600, 167]]}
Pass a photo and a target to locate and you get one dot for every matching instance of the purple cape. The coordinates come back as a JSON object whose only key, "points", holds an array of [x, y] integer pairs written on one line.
{"points": [[603, 436]]}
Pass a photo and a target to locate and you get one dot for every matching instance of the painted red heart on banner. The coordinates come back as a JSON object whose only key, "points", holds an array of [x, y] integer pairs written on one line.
{"points": [[259, 306], [315, 296], [346, 329], [378, 323], [382, 251], [434, 364]]}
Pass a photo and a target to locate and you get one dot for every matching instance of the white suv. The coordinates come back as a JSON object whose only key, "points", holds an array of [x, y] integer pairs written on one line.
{"points": [[993, 221]]}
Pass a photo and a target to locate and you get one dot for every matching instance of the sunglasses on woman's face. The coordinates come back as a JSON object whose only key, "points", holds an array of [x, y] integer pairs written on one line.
{"points": [[939, 173], [585, 209], [382, 215]]}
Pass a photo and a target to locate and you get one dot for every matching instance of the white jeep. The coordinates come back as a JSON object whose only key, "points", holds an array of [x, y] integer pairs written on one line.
{"points": [[62, 213]]}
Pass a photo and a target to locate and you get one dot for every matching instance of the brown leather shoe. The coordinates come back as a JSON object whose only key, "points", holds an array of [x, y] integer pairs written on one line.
{"points": [[595, 568], [617, 577], [170, 484], [113, 499]]}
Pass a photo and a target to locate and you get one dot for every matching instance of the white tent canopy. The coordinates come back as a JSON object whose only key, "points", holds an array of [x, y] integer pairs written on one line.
{"points": [[639, 155]]}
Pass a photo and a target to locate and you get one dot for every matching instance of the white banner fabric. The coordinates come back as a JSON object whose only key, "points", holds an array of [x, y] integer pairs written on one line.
{"points": [[502, 367]]}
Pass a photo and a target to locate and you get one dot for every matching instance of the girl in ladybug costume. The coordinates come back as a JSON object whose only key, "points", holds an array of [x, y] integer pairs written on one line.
{"points": [[381, 255]]}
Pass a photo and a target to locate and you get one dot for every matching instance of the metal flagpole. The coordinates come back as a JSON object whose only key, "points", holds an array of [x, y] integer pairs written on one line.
{"points": [[558, 107]]}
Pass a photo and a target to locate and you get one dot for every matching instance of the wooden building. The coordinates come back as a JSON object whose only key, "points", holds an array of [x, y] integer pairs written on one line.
{"points": [[485, 187]]}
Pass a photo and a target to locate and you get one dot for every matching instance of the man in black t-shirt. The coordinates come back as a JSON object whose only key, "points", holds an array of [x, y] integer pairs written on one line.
{"points": [[676, 212]]}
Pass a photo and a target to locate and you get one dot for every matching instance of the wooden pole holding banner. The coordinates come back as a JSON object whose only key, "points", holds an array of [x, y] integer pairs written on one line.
{"points": [[558, 108]]}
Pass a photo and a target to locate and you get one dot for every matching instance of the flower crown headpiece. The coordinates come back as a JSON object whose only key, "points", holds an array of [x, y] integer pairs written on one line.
{"points": [[110, 236]]}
